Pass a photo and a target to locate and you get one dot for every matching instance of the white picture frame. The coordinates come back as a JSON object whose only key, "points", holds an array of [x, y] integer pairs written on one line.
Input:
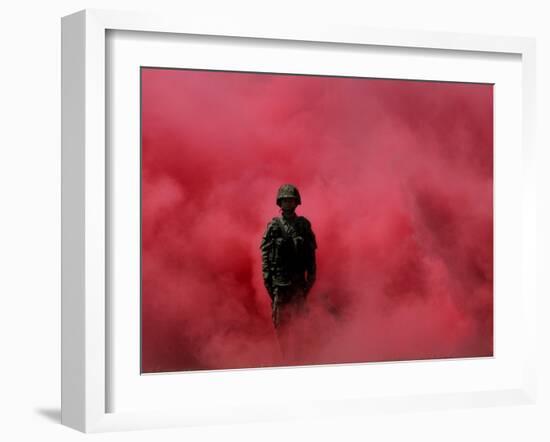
{"points": [[86, 203]]}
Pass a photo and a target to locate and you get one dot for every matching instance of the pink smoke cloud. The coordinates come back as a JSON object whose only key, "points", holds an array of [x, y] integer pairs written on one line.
{"points": [[396, 177]]}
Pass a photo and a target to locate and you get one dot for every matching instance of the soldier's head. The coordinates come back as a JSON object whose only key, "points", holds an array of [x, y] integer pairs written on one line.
{"points": [[288, 198]]}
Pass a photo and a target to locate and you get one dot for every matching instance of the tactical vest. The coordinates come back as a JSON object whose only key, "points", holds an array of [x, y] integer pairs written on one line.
{"points": [[291, 246]]}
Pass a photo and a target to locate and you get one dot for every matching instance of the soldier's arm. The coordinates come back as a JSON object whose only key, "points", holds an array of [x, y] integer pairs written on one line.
{"points": [[265, 247], [311, 264]]}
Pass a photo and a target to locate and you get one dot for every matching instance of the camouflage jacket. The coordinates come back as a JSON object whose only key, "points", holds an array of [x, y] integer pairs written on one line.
{"points": [[288, 253]]}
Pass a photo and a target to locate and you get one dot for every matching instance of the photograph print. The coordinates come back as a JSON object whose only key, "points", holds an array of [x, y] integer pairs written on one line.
{"points": [[298, 220]]}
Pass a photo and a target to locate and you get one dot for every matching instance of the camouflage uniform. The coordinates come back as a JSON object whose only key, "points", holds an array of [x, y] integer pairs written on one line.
{"points": [[288, 260]]}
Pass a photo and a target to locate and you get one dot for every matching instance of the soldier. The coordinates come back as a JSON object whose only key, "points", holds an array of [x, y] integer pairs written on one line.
{"points": [[288, 259]]}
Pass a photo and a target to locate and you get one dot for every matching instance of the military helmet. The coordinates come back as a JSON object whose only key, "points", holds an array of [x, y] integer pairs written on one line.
{"points": [[288, 191]]}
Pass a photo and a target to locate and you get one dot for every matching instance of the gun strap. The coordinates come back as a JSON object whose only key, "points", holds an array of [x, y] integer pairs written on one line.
{"points": [[287, 229]]}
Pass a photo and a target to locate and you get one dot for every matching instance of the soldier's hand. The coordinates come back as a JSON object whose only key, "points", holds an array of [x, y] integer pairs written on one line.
{"points": [[307, 288]]}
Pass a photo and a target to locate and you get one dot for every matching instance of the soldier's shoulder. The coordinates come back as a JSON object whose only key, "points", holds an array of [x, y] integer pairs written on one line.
{"points": [[274, 222], [270, 232], [305, 224]]}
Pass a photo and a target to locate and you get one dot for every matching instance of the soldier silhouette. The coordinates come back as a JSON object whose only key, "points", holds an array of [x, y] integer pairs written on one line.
{"points": [[288, 262]]}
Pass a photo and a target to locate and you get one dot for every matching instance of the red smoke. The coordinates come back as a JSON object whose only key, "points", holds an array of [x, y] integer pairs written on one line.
{"points": [[395, 176]]}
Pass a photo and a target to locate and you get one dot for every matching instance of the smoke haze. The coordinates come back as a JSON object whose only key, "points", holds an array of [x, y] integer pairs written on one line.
{"points": [[395, 176]]}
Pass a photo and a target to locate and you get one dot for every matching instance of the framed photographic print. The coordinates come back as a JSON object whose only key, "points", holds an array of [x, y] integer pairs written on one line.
{"points": [[394, 261], [266, 223]]}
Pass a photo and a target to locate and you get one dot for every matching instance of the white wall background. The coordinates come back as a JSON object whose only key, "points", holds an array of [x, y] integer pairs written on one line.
{"points": [[30, 218]]}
